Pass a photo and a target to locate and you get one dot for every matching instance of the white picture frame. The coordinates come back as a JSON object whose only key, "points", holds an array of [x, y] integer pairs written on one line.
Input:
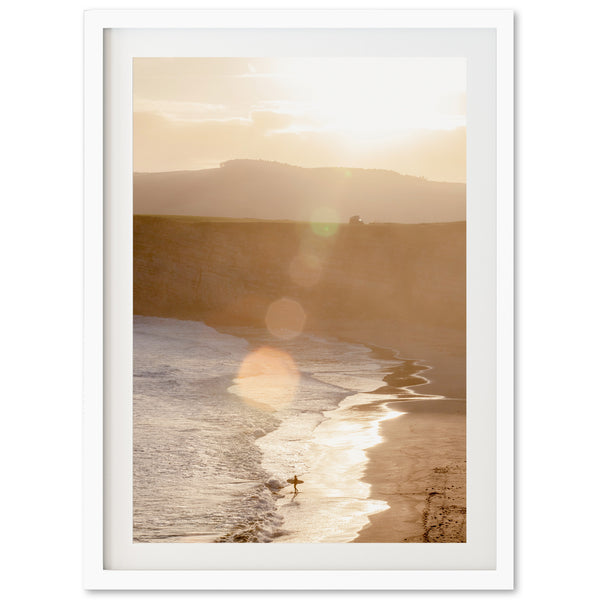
{"points": [[104, 277]]}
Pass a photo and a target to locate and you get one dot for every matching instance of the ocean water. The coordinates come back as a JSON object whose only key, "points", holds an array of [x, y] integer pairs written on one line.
{"points": [[222, 420]]}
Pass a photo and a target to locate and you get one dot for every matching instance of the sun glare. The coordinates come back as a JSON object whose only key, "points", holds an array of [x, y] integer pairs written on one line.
{"points": [[379, 97], [406, 114]]}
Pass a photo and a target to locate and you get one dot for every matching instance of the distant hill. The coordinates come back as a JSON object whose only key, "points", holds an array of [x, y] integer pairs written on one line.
{"points": [[270, 190]]}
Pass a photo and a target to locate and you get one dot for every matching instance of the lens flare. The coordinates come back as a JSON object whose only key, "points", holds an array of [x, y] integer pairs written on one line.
{"points": [[267, 378], [285, 319], [324, 221], [305, 269]]}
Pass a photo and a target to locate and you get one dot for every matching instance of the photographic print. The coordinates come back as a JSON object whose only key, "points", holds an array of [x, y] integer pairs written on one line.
{"points": [[299, 300]]}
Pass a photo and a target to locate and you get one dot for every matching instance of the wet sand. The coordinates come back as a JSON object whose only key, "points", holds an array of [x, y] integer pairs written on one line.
{"points": [[420, 471], [420, 467]]}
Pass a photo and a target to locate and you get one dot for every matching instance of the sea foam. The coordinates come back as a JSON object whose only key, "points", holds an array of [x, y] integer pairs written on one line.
{"points": [[210, 466]]}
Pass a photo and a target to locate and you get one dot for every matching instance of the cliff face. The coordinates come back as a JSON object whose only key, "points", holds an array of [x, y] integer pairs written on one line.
{"points": [[230, 272]]}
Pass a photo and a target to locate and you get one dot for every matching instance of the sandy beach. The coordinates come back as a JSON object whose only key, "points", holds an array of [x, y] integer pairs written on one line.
{"points": [[420, 471], [420, 467]]}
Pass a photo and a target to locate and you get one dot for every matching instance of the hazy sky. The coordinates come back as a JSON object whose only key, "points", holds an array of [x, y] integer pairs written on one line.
{"points": [[404, 114]]}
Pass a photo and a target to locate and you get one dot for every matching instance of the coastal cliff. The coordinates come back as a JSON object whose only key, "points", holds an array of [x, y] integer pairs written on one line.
{"points": [[229, 272]]}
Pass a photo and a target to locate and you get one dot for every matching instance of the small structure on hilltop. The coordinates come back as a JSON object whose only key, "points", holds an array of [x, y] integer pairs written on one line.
{"points": [[356, 220]]}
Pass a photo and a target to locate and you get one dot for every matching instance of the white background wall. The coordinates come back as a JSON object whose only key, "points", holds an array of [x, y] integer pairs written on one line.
{"points": [[557, 213]]}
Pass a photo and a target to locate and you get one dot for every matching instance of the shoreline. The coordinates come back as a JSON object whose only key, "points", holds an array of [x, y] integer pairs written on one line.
{"points": [[419, 468], [334, 486], [420, 471]]}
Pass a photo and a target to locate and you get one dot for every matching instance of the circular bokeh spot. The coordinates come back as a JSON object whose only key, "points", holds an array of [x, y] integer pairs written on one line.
{"points": [[285, 319], [267, 378]]}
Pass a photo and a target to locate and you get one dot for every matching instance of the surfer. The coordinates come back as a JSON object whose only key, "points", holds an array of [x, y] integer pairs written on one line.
{"points": [[295, 481]]}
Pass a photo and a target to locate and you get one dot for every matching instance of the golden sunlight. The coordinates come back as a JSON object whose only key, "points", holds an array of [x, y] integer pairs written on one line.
{"points": [[406, 114], [374, 98]]}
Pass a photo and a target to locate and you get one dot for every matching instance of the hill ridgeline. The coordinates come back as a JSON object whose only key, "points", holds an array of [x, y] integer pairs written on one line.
{"points": [[269, 190]]}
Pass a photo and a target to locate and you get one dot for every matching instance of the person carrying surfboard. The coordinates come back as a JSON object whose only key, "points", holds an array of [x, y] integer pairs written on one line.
{"points": [[295, 481]]}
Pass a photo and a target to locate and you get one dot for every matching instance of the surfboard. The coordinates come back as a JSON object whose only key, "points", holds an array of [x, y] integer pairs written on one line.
{"points": [[297, 482]]}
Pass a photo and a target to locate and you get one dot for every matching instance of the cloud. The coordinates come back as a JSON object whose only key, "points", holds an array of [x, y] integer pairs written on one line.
{"points": [[268, 120], [178, 110], [164, 144], [259, 75]]}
